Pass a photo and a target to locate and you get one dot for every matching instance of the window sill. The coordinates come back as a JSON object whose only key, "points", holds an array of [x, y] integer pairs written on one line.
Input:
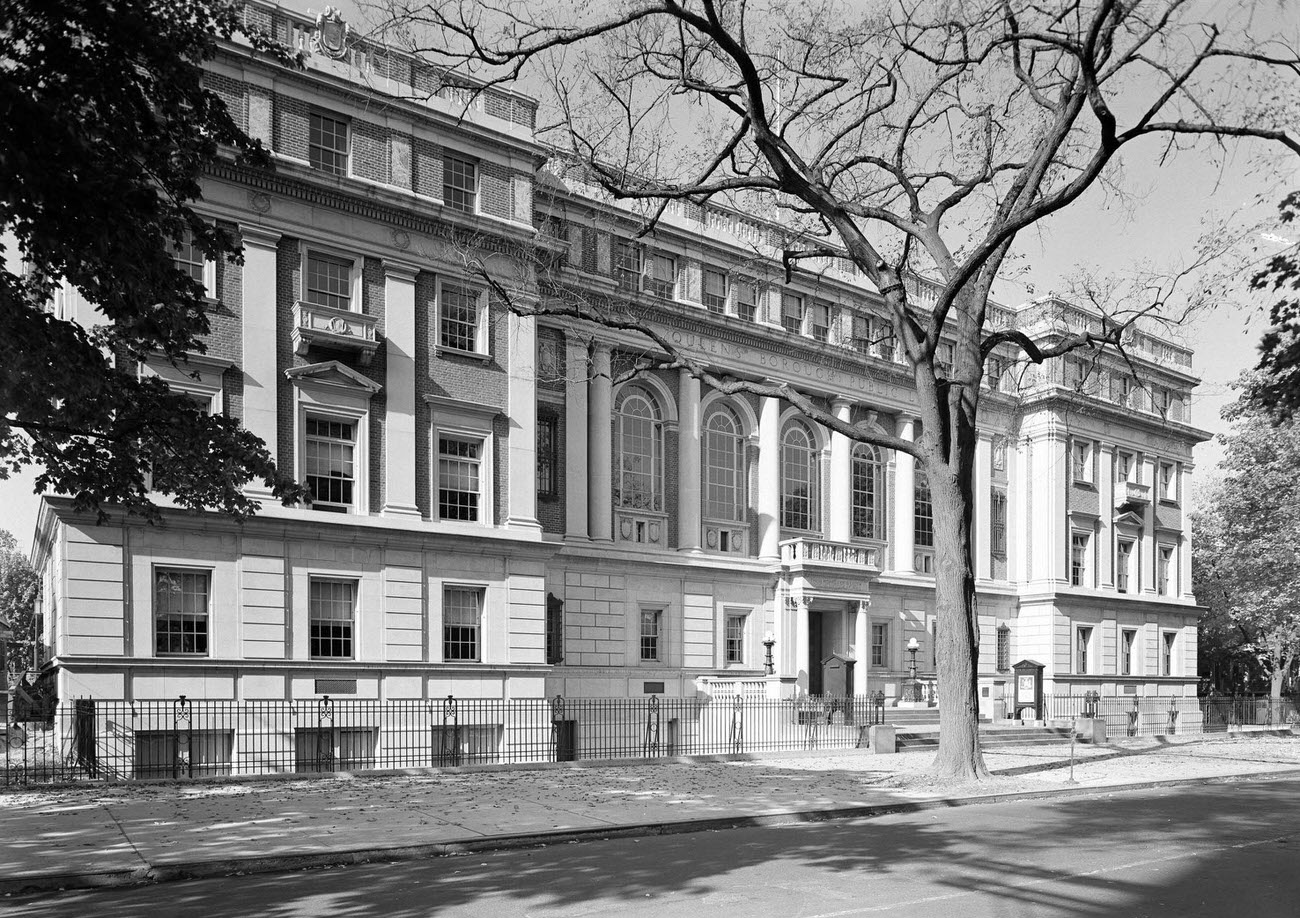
{"points": [[442, 351], [1085, 483]]}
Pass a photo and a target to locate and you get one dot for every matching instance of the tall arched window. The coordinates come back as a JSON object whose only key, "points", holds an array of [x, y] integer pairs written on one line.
{"points": [[923, 513], [638, 482], [868, 493], [800, 501], [724, 466]]}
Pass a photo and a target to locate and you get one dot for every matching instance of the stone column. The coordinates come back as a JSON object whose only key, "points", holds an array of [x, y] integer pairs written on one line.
{"points": [[862, 647], [801, 649], [1106, 516], [258, 360], [1147, 561], [769, 480], [399, 387], [688, 463], [575, 440], [904, 498], [600, 448], [521, 394], [841, 474], [983, 507]]}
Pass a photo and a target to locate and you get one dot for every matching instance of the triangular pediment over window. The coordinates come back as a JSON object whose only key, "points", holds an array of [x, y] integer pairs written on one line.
{"points": [[335, 375], [1129, 519]]}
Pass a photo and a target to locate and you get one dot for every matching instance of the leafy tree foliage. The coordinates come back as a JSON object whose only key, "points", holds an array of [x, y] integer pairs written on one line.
{"points": [[1246, 543], [907, 138], [1277, 387], [105, 129], [18, 586]]}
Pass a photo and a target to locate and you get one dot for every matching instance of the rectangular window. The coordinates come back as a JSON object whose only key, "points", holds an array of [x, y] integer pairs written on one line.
{"points": [[1120, 388], [998, 523], [329, 281], [1082, 637], [882, 334], [190, 258], [459, 473], [735, 638], [1078, 558], [182, 753], [318, 749], [329, 463], [715, 291], [1164, 561], [1127, 639], [747, 301], [923, 515], [819, 321], [554, 629], [1167, 653], [879, 644], [180, 612], [1168, 481], [627, 266], [1004, 648], [459, 183], [459, 318], [1123, 562], [327, 143], [651, 621], [1123, 467], [462, 613], [548, 455], [943, 358], [993, 372], [999, 454], [1081, 461], [792, 312], [332, 604], [661, 278]]}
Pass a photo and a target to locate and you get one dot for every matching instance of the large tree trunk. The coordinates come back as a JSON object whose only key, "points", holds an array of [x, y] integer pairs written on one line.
{"points": [[958, 638]]}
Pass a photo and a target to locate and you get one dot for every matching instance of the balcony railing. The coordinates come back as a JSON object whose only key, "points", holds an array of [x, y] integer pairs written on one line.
{"points": [[341, 329], [729, 538], [809, 552], [640, 527]]}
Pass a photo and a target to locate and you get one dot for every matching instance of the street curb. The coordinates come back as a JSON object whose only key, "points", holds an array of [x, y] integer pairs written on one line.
{"points": [[169, 872]]}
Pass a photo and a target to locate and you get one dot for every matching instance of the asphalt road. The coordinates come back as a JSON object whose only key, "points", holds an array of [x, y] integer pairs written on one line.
{"points": [[1222, 850]]}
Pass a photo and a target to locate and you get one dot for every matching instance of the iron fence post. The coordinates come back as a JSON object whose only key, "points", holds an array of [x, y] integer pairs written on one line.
{"points": [[650, 744], [325, 734], [182, 738], [737, 724]]}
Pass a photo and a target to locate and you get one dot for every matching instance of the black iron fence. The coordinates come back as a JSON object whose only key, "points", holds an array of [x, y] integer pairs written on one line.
{"points": [[1155, 715], [181, 739]]}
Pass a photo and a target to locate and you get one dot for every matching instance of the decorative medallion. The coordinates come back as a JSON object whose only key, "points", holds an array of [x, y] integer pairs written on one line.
{"points": [[259, 201], [711, 537], [625, 528], [401, 239], [338, 325], [332, 33], [654, 532]]}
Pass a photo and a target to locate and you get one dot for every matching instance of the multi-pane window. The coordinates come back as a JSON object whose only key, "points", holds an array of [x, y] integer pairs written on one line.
{"points": [[1123, 467], [1127, 638], [548, 455], [458, 318], [882, 333], [329, 281], [868, 487], [999, 454], [819, 321], [861, 338], [1121, 386], [327, 143], [1078, 558], [792, 312], [922, 513], [735, 638], [462, 615], [943, 358], [724, 466], [627, 266], [747, 300], [1081, 461], [460, 183], [879, 644], [799, 480], [190, 258], [554, 629], [1164, 561], [331, 607], [180, 612], [1082, 638], [651, 625], [459, 475], [639, 480], [1004, 648], [1167, 653], [993, 372], [1123, 564], [661, 276], [1168, 481], [998, 522], [330, 463], [715, 291]]}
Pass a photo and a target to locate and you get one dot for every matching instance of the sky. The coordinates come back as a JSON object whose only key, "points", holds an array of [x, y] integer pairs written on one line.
{"points": [[1162, 228]]}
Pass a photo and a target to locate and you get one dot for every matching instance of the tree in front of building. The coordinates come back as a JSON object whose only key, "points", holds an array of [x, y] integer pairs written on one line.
{"points": [[18, 587], [105, 130], [908, 139], [1276, 387], [1246, 542]]}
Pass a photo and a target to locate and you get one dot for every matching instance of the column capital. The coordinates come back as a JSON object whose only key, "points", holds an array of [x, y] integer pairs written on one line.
{"points": [[259, 236], [840, 401]]}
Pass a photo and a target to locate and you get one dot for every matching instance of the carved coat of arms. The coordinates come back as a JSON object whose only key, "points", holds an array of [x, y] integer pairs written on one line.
{"points": [[332, 33]]}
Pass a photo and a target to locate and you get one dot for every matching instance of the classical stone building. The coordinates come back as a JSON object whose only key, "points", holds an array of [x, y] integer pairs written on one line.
{"points": [[504, 509]]}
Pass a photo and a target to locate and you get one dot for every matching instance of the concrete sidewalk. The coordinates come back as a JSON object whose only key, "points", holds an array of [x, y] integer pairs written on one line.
{"points": [[118, 834]]}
